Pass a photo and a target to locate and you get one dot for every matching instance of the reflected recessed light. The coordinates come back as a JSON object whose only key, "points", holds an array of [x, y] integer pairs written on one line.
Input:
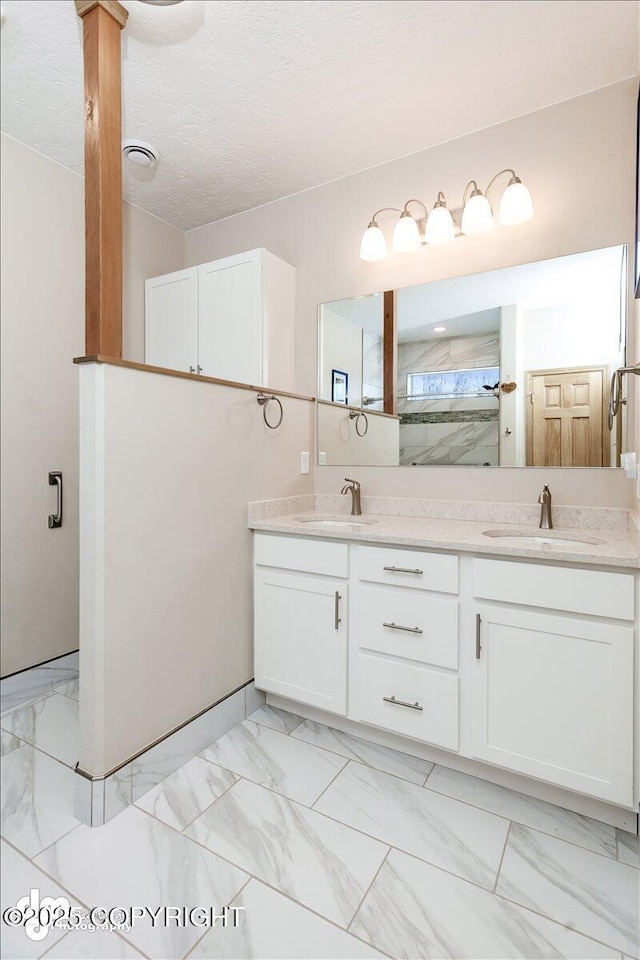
{"points": [[439, 329]]}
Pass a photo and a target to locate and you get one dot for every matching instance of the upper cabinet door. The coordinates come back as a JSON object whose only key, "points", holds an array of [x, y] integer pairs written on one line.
{"points": [[230, 335], [171, 320]]}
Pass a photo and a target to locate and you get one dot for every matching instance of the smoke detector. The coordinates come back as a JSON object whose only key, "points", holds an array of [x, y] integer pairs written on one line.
{"points": [[139, 153]]}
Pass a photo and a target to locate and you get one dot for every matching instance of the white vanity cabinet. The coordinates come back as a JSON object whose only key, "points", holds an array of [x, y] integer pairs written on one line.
{"points": [[301, 621], [522, 665], [233, 319], [552, 693]]}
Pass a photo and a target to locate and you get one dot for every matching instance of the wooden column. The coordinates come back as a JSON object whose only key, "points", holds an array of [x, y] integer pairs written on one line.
{"points": [[390, 357], [102, 22]]}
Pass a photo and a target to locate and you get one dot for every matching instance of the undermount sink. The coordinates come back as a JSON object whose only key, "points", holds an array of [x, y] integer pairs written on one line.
{"points": [[539, 538], [335, 521]]}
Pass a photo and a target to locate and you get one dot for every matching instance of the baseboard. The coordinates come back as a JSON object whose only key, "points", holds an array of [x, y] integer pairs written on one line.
{"points": [[99, 799]]}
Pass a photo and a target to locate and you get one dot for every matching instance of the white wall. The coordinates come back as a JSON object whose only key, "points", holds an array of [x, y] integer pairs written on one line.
{"points": [[569, 155], [340, 349], [42, 330], [168, 467], [338, 440]]}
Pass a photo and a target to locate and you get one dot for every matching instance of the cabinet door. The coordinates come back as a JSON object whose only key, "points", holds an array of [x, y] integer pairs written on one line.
{"points": [[301, 638], [171, 320], [553, 698], [230, 313]]}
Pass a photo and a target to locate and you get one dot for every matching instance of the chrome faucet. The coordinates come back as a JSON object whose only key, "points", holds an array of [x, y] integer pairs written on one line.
{"points": [[546, 523], [353, 487]]}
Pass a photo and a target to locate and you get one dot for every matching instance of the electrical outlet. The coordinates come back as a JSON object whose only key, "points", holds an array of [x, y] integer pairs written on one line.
{"points": [[322, 459], [304, 462]]}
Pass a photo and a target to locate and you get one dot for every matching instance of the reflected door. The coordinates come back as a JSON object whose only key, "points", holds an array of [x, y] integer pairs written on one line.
{"points": [[566, 418]]}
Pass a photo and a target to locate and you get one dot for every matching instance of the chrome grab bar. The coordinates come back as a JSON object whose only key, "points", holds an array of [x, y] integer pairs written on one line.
{"points": [[396, 626], [403, 703], [55, 480], [403, 570]]}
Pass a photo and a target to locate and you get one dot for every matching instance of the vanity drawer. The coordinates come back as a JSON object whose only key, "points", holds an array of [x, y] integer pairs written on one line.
{"points": [[409, 568], [592, 592], [306, 556], [436, 693], [407, 624]]}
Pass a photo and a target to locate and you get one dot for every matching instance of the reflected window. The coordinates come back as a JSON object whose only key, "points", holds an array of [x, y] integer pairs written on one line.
{"points": [[453, 384]]}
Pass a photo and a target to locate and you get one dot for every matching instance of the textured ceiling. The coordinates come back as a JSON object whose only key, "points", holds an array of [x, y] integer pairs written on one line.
{"points": [[251, 100], [469, 304]]}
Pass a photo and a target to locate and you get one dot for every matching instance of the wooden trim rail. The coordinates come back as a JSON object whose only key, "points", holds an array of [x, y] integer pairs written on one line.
{"points": [[183, 375]]}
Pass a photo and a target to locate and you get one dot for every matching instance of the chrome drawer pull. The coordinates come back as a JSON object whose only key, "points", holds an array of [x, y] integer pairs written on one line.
{"points": [[403, 703], [478, 635], [396, 626], [337, 620], [403, 570]]}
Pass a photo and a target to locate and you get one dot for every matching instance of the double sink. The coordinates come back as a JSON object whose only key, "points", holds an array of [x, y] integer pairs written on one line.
{"points": [[533, 538]]}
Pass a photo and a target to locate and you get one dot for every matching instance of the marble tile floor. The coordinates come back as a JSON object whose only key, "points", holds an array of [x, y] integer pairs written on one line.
{"points": [[326, 845]]}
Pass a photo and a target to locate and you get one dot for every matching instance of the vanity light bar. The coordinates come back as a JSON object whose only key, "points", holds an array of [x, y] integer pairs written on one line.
{"points": [[439, 226]]}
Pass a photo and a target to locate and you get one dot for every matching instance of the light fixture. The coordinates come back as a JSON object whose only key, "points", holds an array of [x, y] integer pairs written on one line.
{"points": [[439, 228], [477, 215], [373, 245], [439, 329], [406, 235], [516, 205]]}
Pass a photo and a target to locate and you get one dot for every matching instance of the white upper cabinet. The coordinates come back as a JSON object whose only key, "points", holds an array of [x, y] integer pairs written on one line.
{"points": [[233, 319], [171, 320]]}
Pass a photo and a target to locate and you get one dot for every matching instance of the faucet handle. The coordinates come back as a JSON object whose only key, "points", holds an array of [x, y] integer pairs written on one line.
{"points": [[355, 483], [545, 496]]}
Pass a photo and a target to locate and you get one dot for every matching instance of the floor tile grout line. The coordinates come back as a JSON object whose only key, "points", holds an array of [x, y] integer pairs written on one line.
{"points": [[315, 913], [526, 826], [26, 743], [544, 916], [357, 759], [429, 774], [504, 849], [373, 880], [333, 779], [209, 929]]}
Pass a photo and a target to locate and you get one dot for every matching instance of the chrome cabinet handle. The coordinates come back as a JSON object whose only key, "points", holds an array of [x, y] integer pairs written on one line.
{"points": [[199, 369], [55, 480], [403, 703], [192, 369], [403, 570], [336, 610], [396, 626], [478, 625]]}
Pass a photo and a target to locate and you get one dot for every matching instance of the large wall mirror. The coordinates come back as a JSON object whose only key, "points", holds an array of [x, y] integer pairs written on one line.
{"points": [[506, 368]]}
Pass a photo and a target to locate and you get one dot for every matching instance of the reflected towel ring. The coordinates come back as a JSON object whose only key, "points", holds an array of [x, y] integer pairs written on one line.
{"points": [[264, 402], [614, 397], [355, 415]]}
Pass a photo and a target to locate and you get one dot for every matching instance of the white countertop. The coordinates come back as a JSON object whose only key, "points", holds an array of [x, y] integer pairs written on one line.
{"points": [[614, 547]]}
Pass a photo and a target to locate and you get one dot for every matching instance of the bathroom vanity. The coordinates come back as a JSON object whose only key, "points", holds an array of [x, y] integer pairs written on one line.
{"points": [[440, 636]]}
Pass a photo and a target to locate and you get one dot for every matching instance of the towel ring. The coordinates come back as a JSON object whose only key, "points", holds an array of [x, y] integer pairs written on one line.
{"points": [[355, 415], [264, 402]]}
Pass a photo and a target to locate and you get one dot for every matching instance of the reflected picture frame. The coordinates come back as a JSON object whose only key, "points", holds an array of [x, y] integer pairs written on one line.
{"points": [[339, 387]]}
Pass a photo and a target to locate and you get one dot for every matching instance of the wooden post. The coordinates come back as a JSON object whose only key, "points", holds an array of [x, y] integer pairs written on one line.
{"points": [[390, 358], [102, 22]]}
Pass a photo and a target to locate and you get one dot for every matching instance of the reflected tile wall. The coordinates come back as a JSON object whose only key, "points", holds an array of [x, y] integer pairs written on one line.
{"points": [[470, 442]]}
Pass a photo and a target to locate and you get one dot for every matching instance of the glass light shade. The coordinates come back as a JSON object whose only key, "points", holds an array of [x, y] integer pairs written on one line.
{"points": [[406, 235], [515, 206], [440, 228], [373, 245], [477, 216]]}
